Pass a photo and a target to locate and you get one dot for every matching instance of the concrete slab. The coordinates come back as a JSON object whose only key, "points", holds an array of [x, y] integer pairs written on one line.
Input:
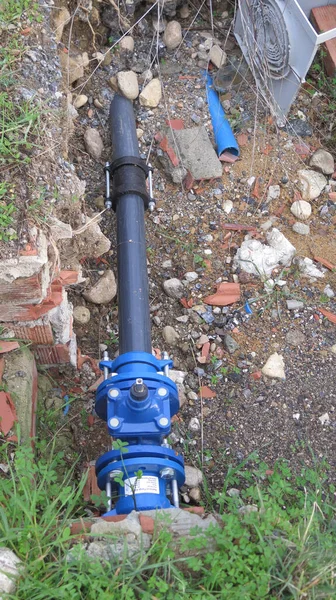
{"points": [[196, 152]]}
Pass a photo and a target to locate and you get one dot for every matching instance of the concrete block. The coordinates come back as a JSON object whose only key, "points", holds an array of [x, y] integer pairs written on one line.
{"points": [[197, 154]]}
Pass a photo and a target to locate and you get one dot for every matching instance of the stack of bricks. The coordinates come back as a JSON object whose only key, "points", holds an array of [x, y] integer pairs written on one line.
{"points": [[34, 303]]}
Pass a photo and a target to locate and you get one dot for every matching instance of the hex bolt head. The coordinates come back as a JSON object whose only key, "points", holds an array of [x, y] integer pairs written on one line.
{"points": [[113, 393], [167, 473], [163, 422], [114, 422], [162, 392]]}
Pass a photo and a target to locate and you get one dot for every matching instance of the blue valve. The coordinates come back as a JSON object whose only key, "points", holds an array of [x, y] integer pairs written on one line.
{"points": [[137, 400]]}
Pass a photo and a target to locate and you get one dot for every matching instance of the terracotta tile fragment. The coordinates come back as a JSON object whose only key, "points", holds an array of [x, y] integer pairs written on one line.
{"points": [[325, 262], [227, 293], [206, 392], [7, 413], [8, 346], [329, 315]]}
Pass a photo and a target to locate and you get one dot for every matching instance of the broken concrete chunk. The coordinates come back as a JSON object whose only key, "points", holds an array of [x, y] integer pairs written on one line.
{"points": [[194, 476], [60, 230], [307, 267], [196, 151], [323, 161], [258, 259], [92, 242], [104, 290], [311, 184]]}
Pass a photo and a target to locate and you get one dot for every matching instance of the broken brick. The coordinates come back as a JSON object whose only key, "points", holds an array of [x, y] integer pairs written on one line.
{"points": [[8, 346], [325, 262], [7, 413], [176, 124], [206, 392], [188, 181], [173, 158], [147, 524], [227, 293], [329, 315]]}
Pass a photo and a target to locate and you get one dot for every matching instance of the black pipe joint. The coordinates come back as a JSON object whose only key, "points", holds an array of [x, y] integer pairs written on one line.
{"points": [[129, 180]]}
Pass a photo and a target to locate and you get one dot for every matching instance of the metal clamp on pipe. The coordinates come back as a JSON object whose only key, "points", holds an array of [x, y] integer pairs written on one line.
{"points": [[137, 398]]}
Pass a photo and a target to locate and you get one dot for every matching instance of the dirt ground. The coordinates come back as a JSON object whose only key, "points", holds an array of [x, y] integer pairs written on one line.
{"points": [[249, 412]]}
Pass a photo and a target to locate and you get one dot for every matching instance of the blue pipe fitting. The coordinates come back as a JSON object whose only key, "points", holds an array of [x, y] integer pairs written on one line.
{"points": [[141, 417]]}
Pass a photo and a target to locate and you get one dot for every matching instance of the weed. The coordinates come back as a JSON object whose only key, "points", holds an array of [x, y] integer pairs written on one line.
{"points": [[214, 379], [199, 260], [112, 340], [7, 211], [324, 299]]}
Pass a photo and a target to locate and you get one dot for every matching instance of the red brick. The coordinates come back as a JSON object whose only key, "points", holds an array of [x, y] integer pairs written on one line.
{"points": [[40, 334], [24, 290], [68, 277], [53, 355], [147, 524], [164, 144], [32, 312], [114, 518]]}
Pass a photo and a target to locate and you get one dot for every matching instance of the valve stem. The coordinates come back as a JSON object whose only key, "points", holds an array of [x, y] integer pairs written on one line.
{"points": [[151, 204]]}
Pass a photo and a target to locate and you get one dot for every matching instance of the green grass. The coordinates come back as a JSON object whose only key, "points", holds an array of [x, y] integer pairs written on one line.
{"points": [[283, 551], [7, 212], [12, 10]]}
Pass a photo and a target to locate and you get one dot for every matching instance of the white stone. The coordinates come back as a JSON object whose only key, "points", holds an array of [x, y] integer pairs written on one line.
{"points": [[174, 288], [93, 143], [324, 419], [177, 376], [172, 36], [127, 44], [104, 290], [170, 335], [274, 367], [81, 314], [311, 183], [194, 424], [329, 291], [139, 133], [301, 228], [301, 209], [296, 416], [333, 349], [227, 206], [308, 267], [217, 56], [323, 161], [273, 193], [128, 84], [151, 94], [193, 476], [80, 101], [9, 570], [191, 276]]}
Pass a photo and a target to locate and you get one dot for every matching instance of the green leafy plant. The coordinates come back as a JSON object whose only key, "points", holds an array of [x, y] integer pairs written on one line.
{"points": [[7, 212]]}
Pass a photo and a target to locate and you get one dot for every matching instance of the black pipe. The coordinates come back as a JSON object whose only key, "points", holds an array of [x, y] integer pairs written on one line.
{"points": [[133, 294]]}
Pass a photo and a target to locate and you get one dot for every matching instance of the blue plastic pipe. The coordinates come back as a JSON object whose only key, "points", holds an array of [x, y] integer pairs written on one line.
{"points": [[224, 138]]}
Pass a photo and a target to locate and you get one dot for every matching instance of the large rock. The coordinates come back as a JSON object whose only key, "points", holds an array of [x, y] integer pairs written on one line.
{"points": [[259, 259], [301, 209], [9, 570], [72, 68], [60, 18], [151, 94], [93, 143], [103, 291], [274, 367], [174, 288], [323, 161], [81, 314], [217, 56], [311, 184], [172, 36], [128, 84]]}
